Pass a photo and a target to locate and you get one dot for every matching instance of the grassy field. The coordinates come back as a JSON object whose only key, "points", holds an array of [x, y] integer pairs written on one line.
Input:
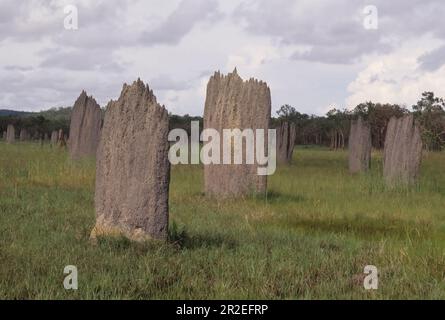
{"points": [[310, 238]]}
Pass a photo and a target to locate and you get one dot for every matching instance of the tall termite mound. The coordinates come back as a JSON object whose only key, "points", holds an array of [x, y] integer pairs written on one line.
{"points": [[85, 127], [286, 137], [232, 103], [24, 135], [403, 151], [61, 139], [10, 134], [54, 137], [360, 146], [132, 167]]}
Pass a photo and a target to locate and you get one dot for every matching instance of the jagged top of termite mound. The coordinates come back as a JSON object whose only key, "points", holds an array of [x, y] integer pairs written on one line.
{"points": [[233, 102], [235, 78], [85, 126], [135, 110], [137, 94], [84, 98]]}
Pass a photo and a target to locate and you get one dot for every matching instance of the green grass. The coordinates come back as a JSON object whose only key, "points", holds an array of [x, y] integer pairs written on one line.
{"points": [[310, 238]]}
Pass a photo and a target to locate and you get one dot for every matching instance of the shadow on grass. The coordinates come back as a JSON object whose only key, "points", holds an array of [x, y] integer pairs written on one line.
{"points": [[183, 240], [178, 238], [270, 197], [276, 197], [117, 243], [364, 227]]}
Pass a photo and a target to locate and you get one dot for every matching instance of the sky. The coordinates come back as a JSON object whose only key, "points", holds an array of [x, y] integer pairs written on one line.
{"points": [[314, 54]]}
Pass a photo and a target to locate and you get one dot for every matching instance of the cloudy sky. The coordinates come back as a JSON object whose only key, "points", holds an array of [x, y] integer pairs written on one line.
{"points": [[314, 54]]}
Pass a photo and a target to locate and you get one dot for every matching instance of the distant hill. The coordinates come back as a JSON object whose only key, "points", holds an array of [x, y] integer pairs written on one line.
{"points": [[13, 113], [58, 114], [36, 123]]}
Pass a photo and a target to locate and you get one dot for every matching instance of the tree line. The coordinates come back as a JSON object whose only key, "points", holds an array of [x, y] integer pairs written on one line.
{"points": [[38, 124], [331, 130]]}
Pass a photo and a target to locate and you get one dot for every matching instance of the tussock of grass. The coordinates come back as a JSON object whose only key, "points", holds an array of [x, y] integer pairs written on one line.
{"points": [[310, 237]]}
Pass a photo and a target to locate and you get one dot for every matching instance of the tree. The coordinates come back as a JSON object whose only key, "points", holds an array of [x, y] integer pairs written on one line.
{"points": [[378, 116], [287, 113], [339, 125], [429, 111]]}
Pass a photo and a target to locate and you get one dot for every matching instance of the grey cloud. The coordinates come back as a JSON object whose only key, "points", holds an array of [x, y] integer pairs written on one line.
{"points": [[181, 21], [45, 88], [18, 68], [165, 82], [409, 19], [16, 24], [346, 54], [7, 11], [433, 60], [334, 30], [80, 60], [102, 24], [205, 74]]}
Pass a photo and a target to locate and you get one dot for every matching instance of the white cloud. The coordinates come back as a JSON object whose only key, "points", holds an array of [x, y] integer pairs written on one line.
{"points": [[398, 77], [252, 57]]}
